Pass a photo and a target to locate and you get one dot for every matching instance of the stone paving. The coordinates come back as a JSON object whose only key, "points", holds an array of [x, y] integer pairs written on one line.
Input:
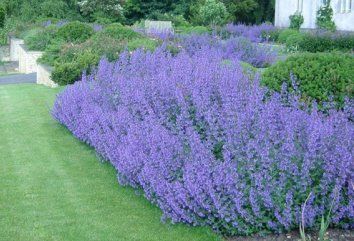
{"points": [[9, 73], [18, 78]]}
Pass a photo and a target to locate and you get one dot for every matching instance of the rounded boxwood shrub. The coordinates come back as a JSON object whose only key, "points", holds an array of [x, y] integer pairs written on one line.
{"points": [[118, 31], [320, 76], [66, 73], [283, 35], [75, 32], [69, 72]]}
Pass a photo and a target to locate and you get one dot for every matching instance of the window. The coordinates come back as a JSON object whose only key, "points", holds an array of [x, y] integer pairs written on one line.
{"points": [[299, 5], [345, 6], [349, 6]]}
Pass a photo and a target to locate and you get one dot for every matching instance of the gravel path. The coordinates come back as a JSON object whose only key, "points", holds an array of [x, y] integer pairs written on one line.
{"points": [[18, 79]]}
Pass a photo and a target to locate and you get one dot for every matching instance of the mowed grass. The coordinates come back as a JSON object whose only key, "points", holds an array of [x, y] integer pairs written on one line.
{"points": [[52, 187]]}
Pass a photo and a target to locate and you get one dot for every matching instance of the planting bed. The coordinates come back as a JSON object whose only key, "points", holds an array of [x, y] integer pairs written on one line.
{"points": [[209, 146]]}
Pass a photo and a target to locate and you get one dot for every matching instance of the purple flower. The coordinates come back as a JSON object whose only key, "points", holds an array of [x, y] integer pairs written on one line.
{"points": [[208, 145], [62, 23], [47, 23], [97, 27]]}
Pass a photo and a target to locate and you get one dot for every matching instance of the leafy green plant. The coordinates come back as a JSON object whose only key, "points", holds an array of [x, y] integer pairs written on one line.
{"points": [[31, 31], [192, 29], [296, 20], [213, 12], [284, 34], [54, 8], [294, 41], [302, 224], [324, 17], [68, 73], [321, 76], [144, 43], [75, 32], [325, 222], [105, 46], [102, 10], [2, 16], [52, 52], [40, 40], [326, 42], [118, 31]]}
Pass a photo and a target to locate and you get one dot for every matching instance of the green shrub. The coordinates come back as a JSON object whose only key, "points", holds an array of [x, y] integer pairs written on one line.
{"points": [[324, 17], [144, 43], [272, 36], [120, 32], [54, 9], [296, 20], [284, 34], [319, 76], [68, 73], [2, 16], [40, 40], [324, 42], [294, 41], [75, 32], [24, 30], [106, 46], [52, 52], [213, 12], [101, 18], [9, 26], [192, 29]]}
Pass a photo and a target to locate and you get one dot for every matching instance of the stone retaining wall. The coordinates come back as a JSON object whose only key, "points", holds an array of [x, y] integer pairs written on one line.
{"points": [[43, 75], [27, 60], [15, 48]]}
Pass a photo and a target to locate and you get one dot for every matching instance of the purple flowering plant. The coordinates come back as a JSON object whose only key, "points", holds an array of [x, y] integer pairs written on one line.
{"points": [[234, 48], [208, 146], [255, 33], [97, 27]]}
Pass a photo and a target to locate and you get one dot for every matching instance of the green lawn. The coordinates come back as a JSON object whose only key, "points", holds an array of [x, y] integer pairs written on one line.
{"points": [[52, 187]]}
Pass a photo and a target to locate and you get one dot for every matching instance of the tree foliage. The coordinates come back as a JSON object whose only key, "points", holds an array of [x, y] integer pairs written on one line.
{"points": [[213, 12]]}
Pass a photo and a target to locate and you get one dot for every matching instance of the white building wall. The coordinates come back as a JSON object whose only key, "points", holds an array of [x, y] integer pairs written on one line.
{"points": [[344, 20]]}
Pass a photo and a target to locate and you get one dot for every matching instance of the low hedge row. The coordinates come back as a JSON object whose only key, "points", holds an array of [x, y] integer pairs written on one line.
{"points": [[319, 76], [316, 41]]}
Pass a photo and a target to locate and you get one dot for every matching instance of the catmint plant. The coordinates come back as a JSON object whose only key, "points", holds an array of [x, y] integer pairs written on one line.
{"points": [[209, 146]]}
